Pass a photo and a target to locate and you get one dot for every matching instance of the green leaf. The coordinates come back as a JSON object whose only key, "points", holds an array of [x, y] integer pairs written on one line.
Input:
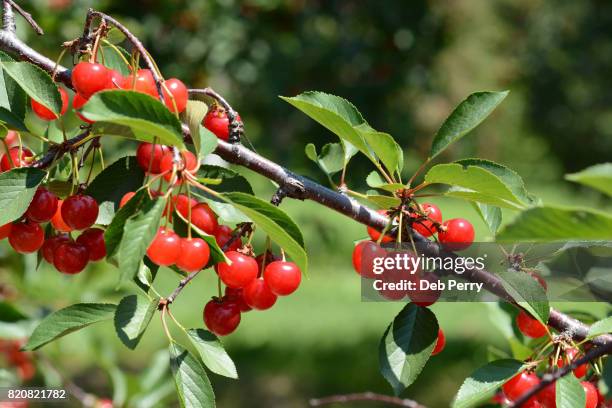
{"points": [[330, 160], [466, 116], [9, 313], [212, 353], [274, 222], [384, 146], [569, 392], [600, 327], [222, 179], [336, 114], [481, 385], [180, 227], [375, 180], [192, 383], [547, 224], [204, 140], [146, 275], [17, 188], [114, 232], [598, 177], [476, 184], [68, 320], [491, 215], [146, 117], [109, 187], [35, 82], [527, 292], [407, 345], [381, 201], [59, 188], [138, 232], [111, 59], [13, 100], [132, 317]]}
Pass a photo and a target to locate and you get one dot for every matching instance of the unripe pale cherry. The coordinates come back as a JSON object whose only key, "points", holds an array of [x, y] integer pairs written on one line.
{"points": [[282, 277], [242, 271], [221, 317], [47, 114]]}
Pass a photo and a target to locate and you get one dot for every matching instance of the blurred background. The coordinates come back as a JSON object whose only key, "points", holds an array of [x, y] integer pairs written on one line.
{"points": [[405, 65]]}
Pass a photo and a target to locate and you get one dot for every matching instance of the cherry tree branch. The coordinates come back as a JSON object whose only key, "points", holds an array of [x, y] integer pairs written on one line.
{"points": [[9, 18], [364, 396], [301, 188], [550, 378]]}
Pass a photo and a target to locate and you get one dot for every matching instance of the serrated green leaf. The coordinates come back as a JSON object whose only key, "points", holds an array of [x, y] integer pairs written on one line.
{"points": [[600, 327], [110, 57], [381, 201], [68, 320], [204, 140], [482, 384], [474, 183], [527, 292], [17, 188], [192, 383], [35, 82], [222, 179], [132, 317], [146, 117], [330, 160], [491, 215], [274, 222], [547, 224], [407, 345], [138, 232], [375, 180], [569, 392], [109, 187], [212, 353], [598, 177], [146, 275], [384, 146], [114, 232], [13, 100], [466, 116]]}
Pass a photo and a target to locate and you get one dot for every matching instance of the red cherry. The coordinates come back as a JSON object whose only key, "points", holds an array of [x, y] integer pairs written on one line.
{"points": [[283, 278], [104, 403], [57, 221], [529, 326], [115, 80], [6, 163], [440, 343], [258, 295], [93, 240], [26, 237], [5, 230], [375, 234], [47, 114], [165, 248], [126, 197], [515, 387], [393, 277], [217, 122], [426, 297], [43, 206], [204, 218], [547, 397], [221, 317], [143, 82], [70, 257], [89, 78], [591, 394], [572, 354], [11, 139], [237, 296], [79, 211], [363, 257], [269, 258], [457, 234], [223, 234], [77, 103], [51, 244], [194, 254], [183, 203], [532, 403], [143, 156], [426, 227], [190, 162], [179, 92], [240, 273]]}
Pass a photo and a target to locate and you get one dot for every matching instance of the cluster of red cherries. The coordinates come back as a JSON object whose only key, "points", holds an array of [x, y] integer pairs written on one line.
{"points": [[251, 283]]}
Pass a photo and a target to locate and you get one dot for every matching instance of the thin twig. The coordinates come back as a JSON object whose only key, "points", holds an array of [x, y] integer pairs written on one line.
{"points": [[365, 396], [9, 24]]}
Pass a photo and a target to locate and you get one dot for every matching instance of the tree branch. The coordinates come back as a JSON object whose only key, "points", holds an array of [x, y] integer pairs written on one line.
{"points": [[550, 378], [9, 18], [365, 396], [238, 154], [58, 150]]}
